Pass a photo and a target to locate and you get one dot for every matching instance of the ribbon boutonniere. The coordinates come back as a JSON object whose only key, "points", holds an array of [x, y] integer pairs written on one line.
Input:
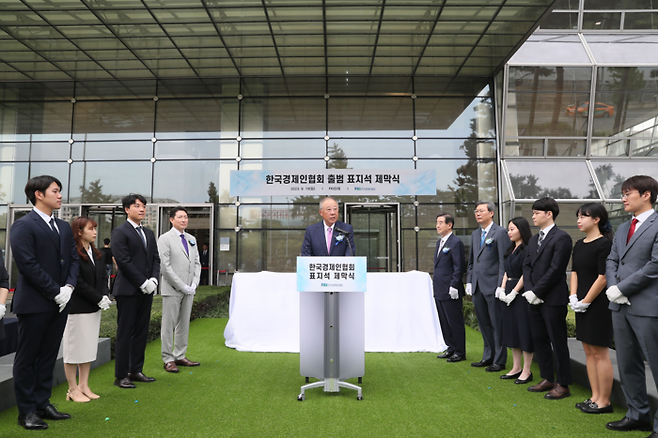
{"points": [[445, 250], [339, 238], [488, 242], [192, 242]]}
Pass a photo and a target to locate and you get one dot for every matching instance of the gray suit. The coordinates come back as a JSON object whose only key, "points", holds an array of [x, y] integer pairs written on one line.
{"points": [[633, 268], [485, 272], [179, 269]]}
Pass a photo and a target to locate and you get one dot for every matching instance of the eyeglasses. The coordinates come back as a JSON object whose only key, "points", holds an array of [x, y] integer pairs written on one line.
{"points": [[627, 194]]}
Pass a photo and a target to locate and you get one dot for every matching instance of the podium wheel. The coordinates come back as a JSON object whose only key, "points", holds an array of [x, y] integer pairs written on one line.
{"points": [[301, 397], [307, 380], [359, 398], [360, 379]]}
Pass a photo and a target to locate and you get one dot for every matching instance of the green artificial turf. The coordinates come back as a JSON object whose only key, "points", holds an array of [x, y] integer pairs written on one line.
{"points": [[237, 394]]}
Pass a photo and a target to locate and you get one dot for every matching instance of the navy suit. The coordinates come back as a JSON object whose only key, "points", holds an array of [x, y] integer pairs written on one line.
{"points": [[449, 268], [315, 242], [544, 273], [45, 263], [136, 264], [91, 287]]}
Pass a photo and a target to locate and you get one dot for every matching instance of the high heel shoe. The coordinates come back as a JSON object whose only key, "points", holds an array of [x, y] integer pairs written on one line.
{"points": [[524, 381], [82, 399], [90, 395]]}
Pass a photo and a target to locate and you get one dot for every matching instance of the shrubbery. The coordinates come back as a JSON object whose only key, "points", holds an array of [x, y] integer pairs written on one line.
{"points": [[209, 302]]}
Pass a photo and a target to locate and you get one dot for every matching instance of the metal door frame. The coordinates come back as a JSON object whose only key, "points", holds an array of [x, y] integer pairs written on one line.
{"points": [[347, 215]]}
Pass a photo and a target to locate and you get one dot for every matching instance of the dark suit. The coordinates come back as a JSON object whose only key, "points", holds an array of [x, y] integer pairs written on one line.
{"points": [[544, 273], [91, 287], [485, 272], [4, 283], [136, 264], [45, 263], [633, 268], [315, 242], [449, 267], [205, 266]]}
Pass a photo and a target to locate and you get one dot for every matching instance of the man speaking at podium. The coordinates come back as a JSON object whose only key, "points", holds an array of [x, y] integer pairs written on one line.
{"points": [[330, 237]]}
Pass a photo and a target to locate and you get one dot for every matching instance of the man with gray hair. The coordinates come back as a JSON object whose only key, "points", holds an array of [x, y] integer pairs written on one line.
{"points": [[330, 237], [483, 278]]}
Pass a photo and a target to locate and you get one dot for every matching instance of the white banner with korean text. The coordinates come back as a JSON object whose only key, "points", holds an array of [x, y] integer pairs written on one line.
{"points": [[333, 181]]}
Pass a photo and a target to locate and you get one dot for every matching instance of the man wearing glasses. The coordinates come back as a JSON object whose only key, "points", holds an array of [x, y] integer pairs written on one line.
{"points": [[632, 276], [484, 277]]}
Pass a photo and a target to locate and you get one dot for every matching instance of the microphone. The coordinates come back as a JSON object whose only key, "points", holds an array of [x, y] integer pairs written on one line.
{"points": [[347, 233]]}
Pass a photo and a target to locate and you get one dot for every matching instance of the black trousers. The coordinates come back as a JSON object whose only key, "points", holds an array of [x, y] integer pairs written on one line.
{"points": [[451, 318], [133, 316], [39, 338], [549, 334]]}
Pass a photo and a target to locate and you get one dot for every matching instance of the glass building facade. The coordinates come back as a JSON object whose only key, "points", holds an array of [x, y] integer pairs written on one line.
{"points": [[580, 108], [167, 98]]}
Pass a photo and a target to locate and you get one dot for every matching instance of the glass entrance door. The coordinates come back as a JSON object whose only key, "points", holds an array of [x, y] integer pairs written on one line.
{"points": [[376, 234], [199, 225]]}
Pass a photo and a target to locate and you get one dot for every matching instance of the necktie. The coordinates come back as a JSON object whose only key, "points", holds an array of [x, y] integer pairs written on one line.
{"points": [[54, 228], [329, 230], [140, 231], [631, 230], [541, 239], [182, 238], [440, 247], [484, 233]]}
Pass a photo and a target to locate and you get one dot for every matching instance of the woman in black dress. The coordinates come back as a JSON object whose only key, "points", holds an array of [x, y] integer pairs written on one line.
{"points": [[516, 316], [588, 300]]}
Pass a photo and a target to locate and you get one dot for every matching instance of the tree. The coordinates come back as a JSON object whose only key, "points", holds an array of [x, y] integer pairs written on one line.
{"points": [[94, 194], [338, 157], [213, 196]]}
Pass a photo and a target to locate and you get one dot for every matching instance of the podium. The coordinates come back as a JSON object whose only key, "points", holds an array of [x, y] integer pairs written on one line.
{"points": [[332, 321]]}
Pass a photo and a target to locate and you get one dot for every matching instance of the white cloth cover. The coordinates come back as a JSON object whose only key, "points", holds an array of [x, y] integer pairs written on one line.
{"points": [[400, 314]]}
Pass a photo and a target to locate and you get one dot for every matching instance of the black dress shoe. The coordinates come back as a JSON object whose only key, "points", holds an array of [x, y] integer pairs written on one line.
{"points": [[583, 404], [444, 355], [510, 376], [627, 424], [50, 413], [494, 368], [524, 381], [653, 435], [140, 377], [32, 421], [594, 408], [124, 383], [455, 358], [482, 363]]}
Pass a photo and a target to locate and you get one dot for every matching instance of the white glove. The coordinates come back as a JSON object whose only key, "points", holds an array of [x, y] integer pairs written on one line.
{"points": [[500, 293], [469, 291], [510, 297], [573, 299], [580, 307], [614, 295], [149, 286], [104, 304], [154, 280], [188, 290], [63, 297], [454, 293], [3, 310], [532, 298]]}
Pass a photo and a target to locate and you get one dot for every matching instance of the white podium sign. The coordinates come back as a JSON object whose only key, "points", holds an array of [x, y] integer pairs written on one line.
{"points": [[332, 274]]}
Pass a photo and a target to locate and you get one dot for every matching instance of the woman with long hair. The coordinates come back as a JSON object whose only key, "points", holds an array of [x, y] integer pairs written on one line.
{"points": [[516, 316], [80, 342], [588, 300]]}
